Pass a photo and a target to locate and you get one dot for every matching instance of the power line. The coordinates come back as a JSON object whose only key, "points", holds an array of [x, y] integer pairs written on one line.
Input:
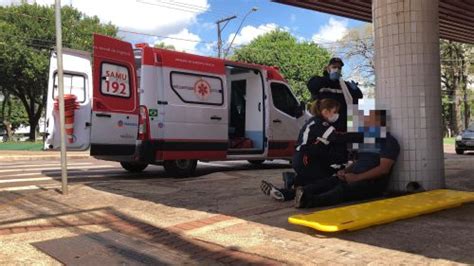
{"points": [[120, 30], [164, 37]]}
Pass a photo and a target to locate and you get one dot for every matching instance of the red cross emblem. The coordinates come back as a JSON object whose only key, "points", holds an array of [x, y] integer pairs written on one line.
{"points": [[202, 89]]}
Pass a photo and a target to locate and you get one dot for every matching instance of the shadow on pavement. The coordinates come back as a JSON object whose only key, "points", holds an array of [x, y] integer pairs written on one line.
{"points": [[235, 192], [128, 241]]}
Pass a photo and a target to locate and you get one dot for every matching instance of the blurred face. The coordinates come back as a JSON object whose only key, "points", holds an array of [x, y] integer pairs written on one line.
{"points": [[330, 115], [335, 67], [334, 71]]}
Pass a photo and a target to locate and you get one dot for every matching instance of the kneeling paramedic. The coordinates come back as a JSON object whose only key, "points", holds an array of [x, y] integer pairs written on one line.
{"points": [[315, 155]]}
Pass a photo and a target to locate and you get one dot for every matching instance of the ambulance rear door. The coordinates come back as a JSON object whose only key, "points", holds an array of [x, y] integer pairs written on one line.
{"points": [[115, 106], [78, 82]]}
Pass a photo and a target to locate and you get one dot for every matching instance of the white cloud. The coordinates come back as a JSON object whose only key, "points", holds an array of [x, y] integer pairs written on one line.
{"points": [[182, 45], [248, 33], [333, 31], [158, 17]]}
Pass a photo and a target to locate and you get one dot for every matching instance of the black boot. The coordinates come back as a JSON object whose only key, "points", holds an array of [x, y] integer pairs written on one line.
{"points": [[288, 179]]}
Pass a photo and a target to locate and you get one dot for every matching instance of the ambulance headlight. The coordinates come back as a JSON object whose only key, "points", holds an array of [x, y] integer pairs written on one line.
{"points": [[458, 138]]}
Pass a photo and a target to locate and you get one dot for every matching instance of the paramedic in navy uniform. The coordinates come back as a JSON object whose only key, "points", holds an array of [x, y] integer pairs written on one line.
{"points": [[329, 86]]}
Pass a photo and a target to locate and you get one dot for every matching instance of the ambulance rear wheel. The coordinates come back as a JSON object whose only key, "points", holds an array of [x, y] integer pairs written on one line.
{"points": [[133, 167], [180, 168], [256, 162]]}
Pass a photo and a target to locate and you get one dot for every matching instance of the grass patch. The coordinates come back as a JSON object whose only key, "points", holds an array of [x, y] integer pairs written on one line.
{"points": [[21, 146], [448, 141]]}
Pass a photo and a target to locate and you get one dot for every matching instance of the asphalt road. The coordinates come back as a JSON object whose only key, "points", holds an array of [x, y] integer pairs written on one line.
{"points": [[46, 174]]}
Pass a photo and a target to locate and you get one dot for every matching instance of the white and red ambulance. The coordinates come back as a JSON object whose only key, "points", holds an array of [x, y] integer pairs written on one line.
{"points": [[155, 106]]}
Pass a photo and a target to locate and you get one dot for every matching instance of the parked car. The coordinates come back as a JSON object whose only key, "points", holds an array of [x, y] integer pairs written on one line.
{"points": [[465, 140]]}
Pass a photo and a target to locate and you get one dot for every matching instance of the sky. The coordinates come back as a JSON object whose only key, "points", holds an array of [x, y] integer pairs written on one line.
{"points": [[189, 25]]}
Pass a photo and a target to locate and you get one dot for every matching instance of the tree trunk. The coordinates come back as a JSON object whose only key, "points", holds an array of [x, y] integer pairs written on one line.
{"points": [[464, 82], [9, 131]]}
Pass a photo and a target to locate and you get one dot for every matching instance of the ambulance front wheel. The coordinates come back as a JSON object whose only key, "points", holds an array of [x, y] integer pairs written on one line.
{"points": [[133, 167], [180, 168]]}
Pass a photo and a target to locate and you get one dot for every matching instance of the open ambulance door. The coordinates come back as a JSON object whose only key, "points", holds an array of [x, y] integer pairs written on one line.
{"points": [[115, 105], [77, 81]]}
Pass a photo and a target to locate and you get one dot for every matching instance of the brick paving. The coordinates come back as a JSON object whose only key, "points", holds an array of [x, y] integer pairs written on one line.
{"points": [[220, 220]]}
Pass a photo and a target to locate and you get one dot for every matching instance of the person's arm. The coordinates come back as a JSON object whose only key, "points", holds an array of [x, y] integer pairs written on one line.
{"points": [[354, 90], [346, 137], [379, 171], [314, 85]]}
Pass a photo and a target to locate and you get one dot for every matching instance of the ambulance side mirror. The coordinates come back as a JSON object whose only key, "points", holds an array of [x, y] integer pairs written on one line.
{"points": [[300, 109]]}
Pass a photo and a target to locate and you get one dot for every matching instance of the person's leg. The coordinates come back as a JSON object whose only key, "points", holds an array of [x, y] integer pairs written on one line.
{"points": [[279, 194], [321, 185], [288, 179], [331, 197], [363, 190]]}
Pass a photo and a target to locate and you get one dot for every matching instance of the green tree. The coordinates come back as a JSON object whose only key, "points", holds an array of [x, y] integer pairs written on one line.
{"points": [[12, 114], [165, 46], [358, 47], [298, 61], [27, 35], [455, 70]]}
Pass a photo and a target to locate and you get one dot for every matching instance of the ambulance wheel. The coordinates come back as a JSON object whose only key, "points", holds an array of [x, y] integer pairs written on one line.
{"points": [[256, 162], [180, 168], [458, 151], [133, 167]]}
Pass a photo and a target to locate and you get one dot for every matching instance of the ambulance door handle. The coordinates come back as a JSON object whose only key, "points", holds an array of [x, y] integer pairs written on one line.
{"points": [[277, 121], [216, 117], [259, 107], [103, 115]]}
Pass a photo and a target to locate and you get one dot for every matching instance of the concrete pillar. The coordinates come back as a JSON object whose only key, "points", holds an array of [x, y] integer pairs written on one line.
{"points": [[407, 69]]}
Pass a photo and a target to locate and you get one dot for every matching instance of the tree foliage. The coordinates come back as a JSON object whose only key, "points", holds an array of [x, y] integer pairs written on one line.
{"points": [[358, 46], [12, 114], [27, 35], [456, 67], [455, 70], [165, 46], [298, 61]]}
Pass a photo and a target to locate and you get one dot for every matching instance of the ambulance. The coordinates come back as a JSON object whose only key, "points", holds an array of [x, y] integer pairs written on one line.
{"points": [[155, 106]]}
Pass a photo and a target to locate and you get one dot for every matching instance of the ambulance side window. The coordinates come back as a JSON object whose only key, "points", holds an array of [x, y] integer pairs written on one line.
{"points": [[196, 88], [283, 99], [73, 84]]}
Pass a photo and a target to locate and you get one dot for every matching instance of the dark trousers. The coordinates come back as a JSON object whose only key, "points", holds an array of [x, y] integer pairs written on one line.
{"points": [[308, 169], [331, 191], [317, 186]]}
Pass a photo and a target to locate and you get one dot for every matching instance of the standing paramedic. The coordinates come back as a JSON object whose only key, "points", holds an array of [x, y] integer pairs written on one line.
{"points": [[332, 86]]}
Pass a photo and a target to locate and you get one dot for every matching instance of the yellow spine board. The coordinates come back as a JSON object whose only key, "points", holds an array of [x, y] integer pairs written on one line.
{"points": [[363, 215]]}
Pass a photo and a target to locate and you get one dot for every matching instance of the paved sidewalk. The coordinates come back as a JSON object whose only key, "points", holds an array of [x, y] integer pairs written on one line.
{"points": [[220, 218]]}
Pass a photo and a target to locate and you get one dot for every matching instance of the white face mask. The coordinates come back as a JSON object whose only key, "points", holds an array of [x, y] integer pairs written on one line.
{"points": [[333, 118]]}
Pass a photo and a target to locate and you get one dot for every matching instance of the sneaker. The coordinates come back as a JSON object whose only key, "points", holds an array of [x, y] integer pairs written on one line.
{"points": [[299, 197], [288, 179], [266, 187], [276, 194], [270, 190]]}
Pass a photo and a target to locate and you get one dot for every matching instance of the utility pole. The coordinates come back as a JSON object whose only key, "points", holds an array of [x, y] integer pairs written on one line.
{"points": [[59, 51], [238, 30], [219, 31]]}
